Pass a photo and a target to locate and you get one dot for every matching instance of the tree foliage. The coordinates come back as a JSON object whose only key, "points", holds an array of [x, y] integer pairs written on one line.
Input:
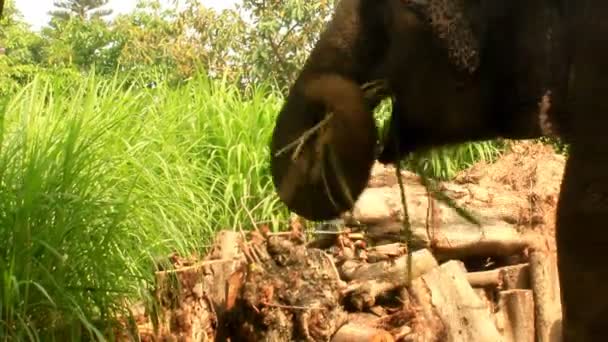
{"points": [[20, 50], [286, 31], [257, 41], [82, 9]]}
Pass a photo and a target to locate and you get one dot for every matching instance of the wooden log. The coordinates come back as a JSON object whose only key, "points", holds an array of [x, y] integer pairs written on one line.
{"points": [[464, 241], [463, 313], [492, 204], [363, 318], [352, 332], [369, 281], [390, 250], [389, 270], [227, 247], [489, 278], [362, 296], [503, 278], [385, 252], [547, 303], [515, 277], [458, 241], [517, 310], [500, 209]]}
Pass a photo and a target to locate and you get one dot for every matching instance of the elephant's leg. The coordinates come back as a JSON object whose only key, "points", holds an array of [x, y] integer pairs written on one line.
{"points": [[582, 241], [582, 219]]}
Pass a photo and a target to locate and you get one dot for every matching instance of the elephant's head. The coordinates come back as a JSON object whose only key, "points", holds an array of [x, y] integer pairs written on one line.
{"points": [[438, 60]]}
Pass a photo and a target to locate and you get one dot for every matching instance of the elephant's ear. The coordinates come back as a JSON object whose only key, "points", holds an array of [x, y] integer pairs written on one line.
{"points": [[453, 21]]}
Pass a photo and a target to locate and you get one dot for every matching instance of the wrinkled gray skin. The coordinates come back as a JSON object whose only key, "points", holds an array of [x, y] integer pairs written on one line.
{"points": [[526, 49]]}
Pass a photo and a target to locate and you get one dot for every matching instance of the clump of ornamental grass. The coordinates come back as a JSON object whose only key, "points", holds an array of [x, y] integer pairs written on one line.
{"points": [[100, 180], [61, 219]]}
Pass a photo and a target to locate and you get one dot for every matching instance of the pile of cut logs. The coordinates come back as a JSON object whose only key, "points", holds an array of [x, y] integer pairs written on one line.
{"points": [[357, 281]]}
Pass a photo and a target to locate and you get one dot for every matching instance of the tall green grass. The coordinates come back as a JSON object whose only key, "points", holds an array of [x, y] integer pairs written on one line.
{"points": [[62, 224], [98, 180]]}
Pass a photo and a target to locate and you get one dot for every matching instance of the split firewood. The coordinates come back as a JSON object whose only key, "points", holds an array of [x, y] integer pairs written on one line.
{"points": [[390, 270], [379, 204], [516, 309], [492, 201], [352, 332], [547, 304], [390, 250], [463, 313], [503, 278]]}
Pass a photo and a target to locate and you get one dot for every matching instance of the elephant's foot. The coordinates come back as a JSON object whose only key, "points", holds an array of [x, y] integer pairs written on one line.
{"points": [[582, 241]]}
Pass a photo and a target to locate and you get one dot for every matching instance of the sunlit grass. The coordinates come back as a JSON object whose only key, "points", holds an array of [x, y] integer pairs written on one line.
{"points": [[61, 216], [99, 180]]}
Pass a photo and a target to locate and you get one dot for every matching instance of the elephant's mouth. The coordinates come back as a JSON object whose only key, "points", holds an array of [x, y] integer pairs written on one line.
{"points": [[321, 164]]}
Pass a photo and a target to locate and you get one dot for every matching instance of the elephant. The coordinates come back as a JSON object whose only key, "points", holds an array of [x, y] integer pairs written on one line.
{"points": [[458, 71]]}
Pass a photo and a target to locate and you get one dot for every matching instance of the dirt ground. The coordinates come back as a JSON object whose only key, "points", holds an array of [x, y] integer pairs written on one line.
{"points": [[534, 172]]}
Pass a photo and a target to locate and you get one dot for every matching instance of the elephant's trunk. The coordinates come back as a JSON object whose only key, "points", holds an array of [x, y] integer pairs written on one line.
{"points": [[322, 147], [323, 173]]}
